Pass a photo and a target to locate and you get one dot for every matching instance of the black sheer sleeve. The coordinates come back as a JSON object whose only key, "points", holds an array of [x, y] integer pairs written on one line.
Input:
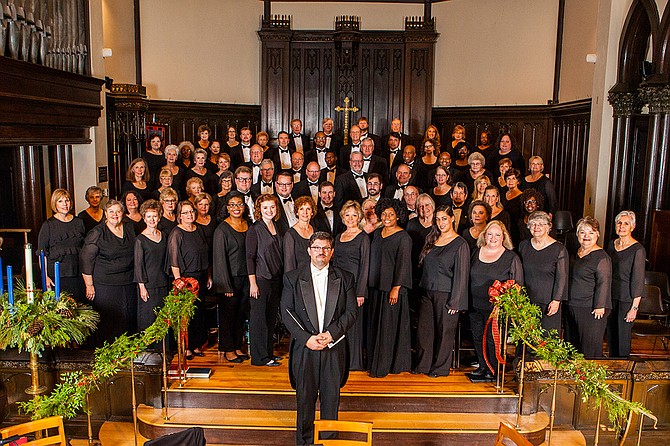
{"points": [[363, 266], [602, 296], [141, 275], [174, 246], [221, 268], [252, 250], [516, 270], [637, 273], [89, 251], [402, 274], [562, 277], [290, 259], [461, 278]]}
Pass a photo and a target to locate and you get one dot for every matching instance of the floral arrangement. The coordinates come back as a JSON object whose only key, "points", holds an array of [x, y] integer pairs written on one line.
{"points": [[69, 396], [510, 300], [44, 322]]}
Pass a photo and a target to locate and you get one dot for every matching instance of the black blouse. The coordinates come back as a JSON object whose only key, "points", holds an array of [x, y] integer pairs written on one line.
{"points": [[482, 275], [544, 186], [447, 269], [354, 256], [545, 271], [418, 233], [390, 261], [230, 257], [591, 280], [151, 261], [265, 258], [90, 222], [627, 272], [188, 250], [108, 258], [166, 226], [209, 181], [145, 194], [62, 242], [295, 251]]}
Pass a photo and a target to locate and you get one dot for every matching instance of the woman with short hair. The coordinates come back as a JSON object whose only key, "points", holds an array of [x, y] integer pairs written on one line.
{"points": [[199, 170], [178, 172], [186, 150], [479, 214], [93, 214], [132, 200], [296, 239], [440, 193], [537, 180], [168, 220]]}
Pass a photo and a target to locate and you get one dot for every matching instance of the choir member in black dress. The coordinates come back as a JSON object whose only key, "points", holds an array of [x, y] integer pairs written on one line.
{"points": [[188, 255], [458, 139], [106, 263], [446, 268], [506, 148], [296, 239], [539, 181], [231, 141], [531, 201], [479, 214], [479, 187], [492, 198], [221, 199], [485, 146], [222, 165], [150, 265], [168, 221], [492, 260], [440, 193], [204, 219], [93, 214], [390, 278], [164, 181], [137, 179], [590, 293], [154, 157], [352, 253], [61, 238], [265, 267], [370, 221], [546, 268], [432, 133], [628, 257], [133, 200], [428, 161], [476, 169], [504, 165], [231, 281], [178, 172], [199, 170], [204, 133], [212, 163], [193, 188], [512, 202], [185, 160]]}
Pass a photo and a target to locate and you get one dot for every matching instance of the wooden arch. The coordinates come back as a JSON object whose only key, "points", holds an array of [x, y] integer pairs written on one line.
{"points": [[663, 45], [641, 23]]}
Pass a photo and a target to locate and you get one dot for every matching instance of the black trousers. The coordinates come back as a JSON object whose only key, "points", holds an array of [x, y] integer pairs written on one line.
{"points": [[478, 318], [619, 332], [435, 334], [262, 320], [586, 332], [232, 314], [117, 306]]}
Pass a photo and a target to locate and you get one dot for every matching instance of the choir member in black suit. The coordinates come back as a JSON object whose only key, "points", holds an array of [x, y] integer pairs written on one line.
{"points": [[590, 291], [327, 217], [403, 175], [353, 146], [440, 192], [364, 125], [334, 141], [132, 201], [137, 179], [318, 153], [231, 282], [266, 185], [506, 148], [93, 214], [546, 268], [332, 170], [297, 167], [154, 157], [512, 201], [265, 267], [460, 204], [372, 163], [185, 150], [628, 257], [351, 185], [240, 153], [61, 238], [286, 209], [479, 214], [374, 186], [296, 239], [492, 198], [299, 142], [352, 254], [150, 266], [492, 260], [188, 255], [318, 307], [106, 263], [540, 182], [392, 153], [178, 172], [243, 180], [256, 157], [396, 132], [282, 155], [168, 220], [410, 160], [445, 258], [410, 200], [390, 278], [199, 170], [309, 187]]}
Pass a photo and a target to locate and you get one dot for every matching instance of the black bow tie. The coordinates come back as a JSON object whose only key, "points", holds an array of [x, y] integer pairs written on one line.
{"points": [[312, 183], [296, 135], [395, 152], [402, 187], [357, 176], [327, 208], [246, 195], [245, 147], [411, 165], [355, 145], [283, 150], [367, 159], [287, 200], [321, 150], [267, 184], [332, 169], [256, 165]]}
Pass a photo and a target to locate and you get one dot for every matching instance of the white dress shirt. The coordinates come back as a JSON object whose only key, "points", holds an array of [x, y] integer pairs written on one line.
{"points": [[246, 153], [284, 158], [289, 210], [320, 283]]}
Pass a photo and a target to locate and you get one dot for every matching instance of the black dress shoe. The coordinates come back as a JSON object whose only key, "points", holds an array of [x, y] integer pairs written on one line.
{"points": [[479, 372], [189, 357], [272, 363], [277, 358], [201, 354], [433, 375], [235, 360], [244, 356]]}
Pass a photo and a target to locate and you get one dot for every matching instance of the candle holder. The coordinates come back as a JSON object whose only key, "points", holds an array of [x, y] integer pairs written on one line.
{"points": [[35, 388]]}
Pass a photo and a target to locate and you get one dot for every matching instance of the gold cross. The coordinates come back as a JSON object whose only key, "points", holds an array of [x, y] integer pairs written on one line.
{"points": [[346, 109]]}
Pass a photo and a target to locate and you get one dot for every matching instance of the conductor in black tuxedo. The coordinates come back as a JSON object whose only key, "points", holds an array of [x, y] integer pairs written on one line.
{"points": [[318, 307]]}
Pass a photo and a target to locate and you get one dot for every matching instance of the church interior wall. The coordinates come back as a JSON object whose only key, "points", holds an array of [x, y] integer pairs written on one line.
{"points": [[579, 39], [119, 35]]}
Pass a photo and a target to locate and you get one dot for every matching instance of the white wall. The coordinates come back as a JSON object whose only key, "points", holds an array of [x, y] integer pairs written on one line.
{"points": [[579, 39]]}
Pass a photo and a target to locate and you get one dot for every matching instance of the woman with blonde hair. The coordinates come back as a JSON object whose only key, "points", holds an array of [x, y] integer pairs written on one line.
{"points": [[481, 183], [296, 239]]}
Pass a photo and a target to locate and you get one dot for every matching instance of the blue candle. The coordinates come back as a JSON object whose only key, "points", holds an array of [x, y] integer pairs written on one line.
{"points": [[57, 282], [43, 267], [2, 283], [10, 285]]}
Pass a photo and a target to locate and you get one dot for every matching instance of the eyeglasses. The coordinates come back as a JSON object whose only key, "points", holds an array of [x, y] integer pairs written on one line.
{"points": [[246, 180], [187, 212], [284, 184], [235, 205], [321, 248], [170, 200]]}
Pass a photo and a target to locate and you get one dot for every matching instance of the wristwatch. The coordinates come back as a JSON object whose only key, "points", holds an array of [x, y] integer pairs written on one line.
{"points": [[634, 308]]}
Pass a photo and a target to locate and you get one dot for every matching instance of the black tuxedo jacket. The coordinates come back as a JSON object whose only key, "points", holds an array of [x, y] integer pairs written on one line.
{"points": [[379, 165], [324, 173], [299, 315], [377, 140], [345, 152], [311, 155], [390, 190], [273, 154], [282, 222], [256, 188], [305, 142], [346, 189], [336, 142], [236, 157], [404, 141], [301, 189], [320, 221]]}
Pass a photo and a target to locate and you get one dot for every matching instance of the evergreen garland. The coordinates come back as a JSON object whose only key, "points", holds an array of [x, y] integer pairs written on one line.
{"points": [[69, 396]]}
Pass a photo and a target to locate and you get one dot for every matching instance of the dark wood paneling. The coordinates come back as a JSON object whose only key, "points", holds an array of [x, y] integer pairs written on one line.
{"points": [[557, 133], [659, 246]]}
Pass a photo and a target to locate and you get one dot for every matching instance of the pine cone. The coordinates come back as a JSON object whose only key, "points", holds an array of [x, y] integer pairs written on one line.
{"points": [[35, 327], [66, 313]]}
